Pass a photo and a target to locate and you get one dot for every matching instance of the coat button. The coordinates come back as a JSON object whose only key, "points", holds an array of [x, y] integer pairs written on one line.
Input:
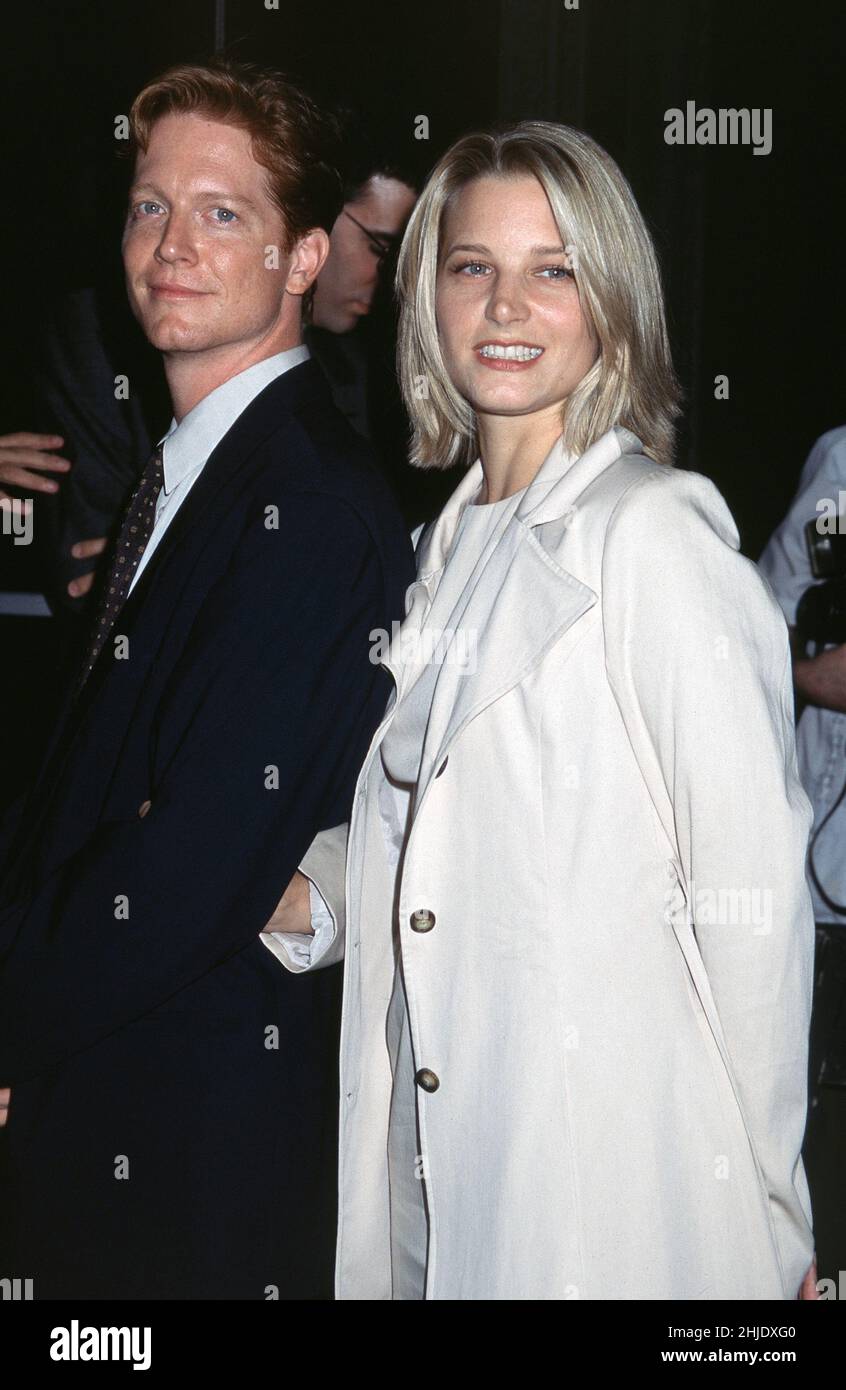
{"points": [[144, 808], [427, 1080], [422, 919], [442, 767]]}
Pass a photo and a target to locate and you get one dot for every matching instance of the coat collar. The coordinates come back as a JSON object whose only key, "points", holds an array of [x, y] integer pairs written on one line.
{"points": [[523, 603], [560, 479]]}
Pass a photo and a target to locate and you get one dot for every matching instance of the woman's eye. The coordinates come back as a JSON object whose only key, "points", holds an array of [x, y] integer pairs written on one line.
{"points": [[227, 216], [475, 270]]}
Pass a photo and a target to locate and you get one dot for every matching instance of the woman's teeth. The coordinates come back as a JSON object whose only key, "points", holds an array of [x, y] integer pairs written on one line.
{"points": [[510, 354]]}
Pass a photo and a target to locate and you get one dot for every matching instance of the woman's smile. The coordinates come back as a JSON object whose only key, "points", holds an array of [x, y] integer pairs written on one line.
{"points": [[508, 356]]}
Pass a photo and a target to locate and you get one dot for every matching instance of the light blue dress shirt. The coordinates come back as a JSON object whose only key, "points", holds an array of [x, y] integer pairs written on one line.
{"points": [[821, 733]]}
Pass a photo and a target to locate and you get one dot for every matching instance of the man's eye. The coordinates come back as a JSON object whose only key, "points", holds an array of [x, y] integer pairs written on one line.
{"points": [[227, 216], [146, 207]]}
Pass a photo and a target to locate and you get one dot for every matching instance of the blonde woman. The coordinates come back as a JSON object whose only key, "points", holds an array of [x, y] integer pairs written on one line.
{"points": [[578, 937]]}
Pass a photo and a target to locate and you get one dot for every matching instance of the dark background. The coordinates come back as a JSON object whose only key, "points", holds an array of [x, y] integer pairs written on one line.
{"points": [[750, 245]]}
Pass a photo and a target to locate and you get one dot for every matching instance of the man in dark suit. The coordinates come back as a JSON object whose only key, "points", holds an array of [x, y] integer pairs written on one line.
{"points": [[171, 1089]]}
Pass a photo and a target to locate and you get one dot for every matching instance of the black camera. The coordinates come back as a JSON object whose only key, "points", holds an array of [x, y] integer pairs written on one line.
{"points": [[821, 614]]}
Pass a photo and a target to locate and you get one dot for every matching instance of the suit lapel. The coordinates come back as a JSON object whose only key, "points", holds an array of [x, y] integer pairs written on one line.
{"points": [[227, 462], [299, 386], [225, 467]]}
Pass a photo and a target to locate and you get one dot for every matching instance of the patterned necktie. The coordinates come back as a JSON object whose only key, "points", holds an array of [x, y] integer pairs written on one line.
{"points": [[135, 532]]}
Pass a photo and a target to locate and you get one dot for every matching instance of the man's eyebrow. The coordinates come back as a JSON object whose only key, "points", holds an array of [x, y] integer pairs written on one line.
{"points": [[146, 187], [226, 197]]}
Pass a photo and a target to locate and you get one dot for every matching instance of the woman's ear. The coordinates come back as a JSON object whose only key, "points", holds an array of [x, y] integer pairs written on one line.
{"points": [[307, 260]]}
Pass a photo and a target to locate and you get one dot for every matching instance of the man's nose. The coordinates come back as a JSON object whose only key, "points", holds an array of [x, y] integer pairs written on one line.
{"points": [[177, 240]]}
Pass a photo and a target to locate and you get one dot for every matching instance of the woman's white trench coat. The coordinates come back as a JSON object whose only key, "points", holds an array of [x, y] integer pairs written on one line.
{"points": [[610, 836]]}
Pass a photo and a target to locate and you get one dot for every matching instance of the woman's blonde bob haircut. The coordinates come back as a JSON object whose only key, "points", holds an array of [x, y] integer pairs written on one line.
{"points": [[632, 382]]}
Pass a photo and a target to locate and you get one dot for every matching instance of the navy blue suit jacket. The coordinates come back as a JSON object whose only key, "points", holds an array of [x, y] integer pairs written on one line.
{"points": [[171, 1130]]}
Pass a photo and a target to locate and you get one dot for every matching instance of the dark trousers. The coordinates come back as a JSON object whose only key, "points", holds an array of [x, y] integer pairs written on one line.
{"points": [[824, 1151]]}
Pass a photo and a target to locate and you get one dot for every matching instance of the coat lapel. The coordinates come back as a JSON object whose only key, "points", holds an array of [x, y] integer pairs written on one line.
{"points": [[523, 602]]}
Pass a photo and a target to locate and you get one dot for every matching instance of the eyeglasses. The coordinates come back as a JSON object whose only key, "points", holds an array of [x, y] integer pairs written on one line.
{"points": [[380, 248]]}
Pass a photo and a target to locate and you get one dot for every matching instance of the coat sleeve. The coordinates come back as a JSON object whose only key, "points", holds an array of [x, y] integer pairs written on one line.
{"points": [[698, 658], [258, 740], [325, 868]]}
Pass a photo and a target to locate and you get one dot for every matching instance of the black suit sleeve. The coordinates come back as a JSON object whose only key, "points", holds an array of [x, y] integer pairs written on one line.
{"points": [[107, 439], [261, 732]]}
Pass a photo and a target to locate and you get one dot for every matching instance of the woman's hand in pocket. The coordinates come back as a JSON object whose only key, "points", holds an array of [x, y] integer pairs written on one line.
{"points": [[293, 911]]}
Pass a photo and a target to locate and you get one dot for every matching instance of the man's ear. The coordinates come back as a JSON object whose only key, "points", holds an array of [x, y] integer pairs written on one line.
{"points": [[307, 260]]}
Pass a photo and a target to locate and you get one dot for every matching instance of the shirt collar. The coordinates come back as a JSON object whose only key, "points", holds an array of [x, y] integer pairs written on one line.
{"points": [[188, 445]]}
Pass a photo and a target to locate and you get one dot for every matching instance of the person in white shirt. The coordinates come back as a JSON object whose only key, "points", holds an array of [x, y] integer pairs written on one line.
{"points": [[820, 680]]}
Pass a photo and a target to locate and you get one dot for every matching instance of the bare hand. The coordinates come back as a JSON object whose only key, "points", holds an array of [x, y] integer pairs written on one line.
{"points": [[821, 680], [809, 1283], [293, 911], [5, 1098], [85, 550], [24, 457]]}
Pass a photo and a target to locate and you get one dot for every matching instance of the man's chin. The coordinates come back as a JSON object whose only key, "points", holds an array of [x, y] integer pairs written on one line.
{"points": [[170, 337]]}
